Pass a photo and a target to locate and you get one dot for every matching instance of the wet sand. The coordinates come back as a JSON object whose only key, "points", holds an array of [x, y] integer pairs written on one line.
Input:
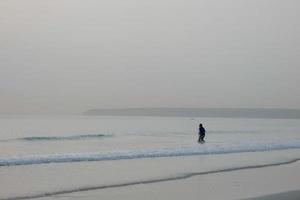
{"points": [[258, 181], [292, 195]]}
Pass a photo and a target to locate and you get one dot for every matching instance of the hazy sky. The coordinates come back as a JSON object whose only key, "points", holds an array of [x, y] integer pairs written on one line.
{"points": [[66, 56]]}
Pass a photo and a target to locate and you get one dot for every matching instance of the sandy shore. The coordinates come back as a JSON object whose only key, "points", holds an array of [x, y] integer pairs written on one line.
{"points": [[292, 195], [254, 182], [230, 176], [239, 184]]}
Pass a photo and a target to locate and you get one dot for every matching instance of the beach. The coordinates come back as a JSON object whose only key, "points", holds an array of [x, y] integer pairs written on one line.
{"points": [[231, 176], [149, 100], [253, 183], [88, 158]]}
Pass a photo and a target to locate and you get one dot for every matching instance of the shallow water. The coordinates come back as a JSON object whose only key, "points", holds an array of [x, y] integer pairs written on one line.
{"points": [[46, 139], [47, 154]]}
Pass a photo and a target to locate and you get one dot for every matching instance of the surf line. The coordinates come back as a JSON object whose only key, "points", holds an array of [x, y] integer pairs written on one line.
{"points": [[57, 138], [63, 158], [149, 181]]}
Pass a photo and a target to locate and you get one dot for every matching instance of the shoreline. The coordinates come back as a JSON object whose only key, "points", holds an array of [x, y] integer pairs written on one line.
{"points": [[170, 174], [180, 177], [249, 184], [290, 195]]}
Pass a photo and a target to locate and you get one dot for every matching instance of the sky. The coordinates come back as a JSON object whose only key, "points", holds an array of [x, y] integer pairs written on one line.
{"points": [[68, 56]]}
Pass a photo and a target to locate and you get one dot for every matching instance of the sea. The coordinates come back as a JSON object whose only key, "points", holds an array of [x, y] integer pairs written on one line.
{"points": [[39, 142]]}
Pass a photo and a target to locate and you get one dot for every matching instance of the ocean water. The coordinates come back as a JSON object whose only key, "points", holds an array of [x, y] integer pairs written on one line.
{"points": [[50, 152], [27, 140]]}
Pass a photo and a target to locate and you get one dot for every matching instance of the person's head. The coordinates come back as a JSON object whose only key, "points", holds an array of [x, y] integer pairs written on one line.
{"points": [[200, 125]]}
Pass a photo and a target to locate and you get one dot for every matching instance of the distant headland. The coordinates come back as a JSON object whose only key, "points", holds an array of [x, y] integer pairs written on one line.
{"points": [[201, 112]]}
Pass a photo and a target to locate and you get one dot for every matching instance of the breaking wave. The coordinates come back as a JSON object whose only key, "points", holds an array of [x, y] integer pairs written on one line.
{"points": [[57, 138], [152, 153], [73, 137]]}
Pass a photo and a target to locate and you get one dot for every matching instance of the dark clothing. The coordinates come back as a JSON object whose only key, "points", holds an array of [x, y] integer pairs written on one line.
{"points": [[201, 138], [202, 131], [201, 134]]}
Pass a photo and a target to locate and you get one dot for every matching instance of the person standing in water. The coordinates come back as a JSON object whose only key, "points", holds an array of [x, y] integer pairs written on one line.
{"points": [[201, 134]]}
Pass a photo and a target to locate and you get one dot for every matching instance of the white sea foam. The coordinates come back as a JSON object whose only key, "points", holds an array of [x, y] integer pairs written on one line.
{"points": [[151, 153]]}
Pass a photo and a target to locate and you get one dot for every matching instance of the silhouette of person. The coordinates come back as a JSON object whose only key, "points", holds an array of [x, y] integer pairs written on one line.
{"points": [[201, 134]]}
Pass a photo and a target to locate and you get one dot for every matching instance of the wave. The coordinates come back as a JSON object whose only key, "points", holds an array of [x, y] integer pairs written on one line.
{"points": [[139, 154], [55, 138], [73, 137], [233, 131]]}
